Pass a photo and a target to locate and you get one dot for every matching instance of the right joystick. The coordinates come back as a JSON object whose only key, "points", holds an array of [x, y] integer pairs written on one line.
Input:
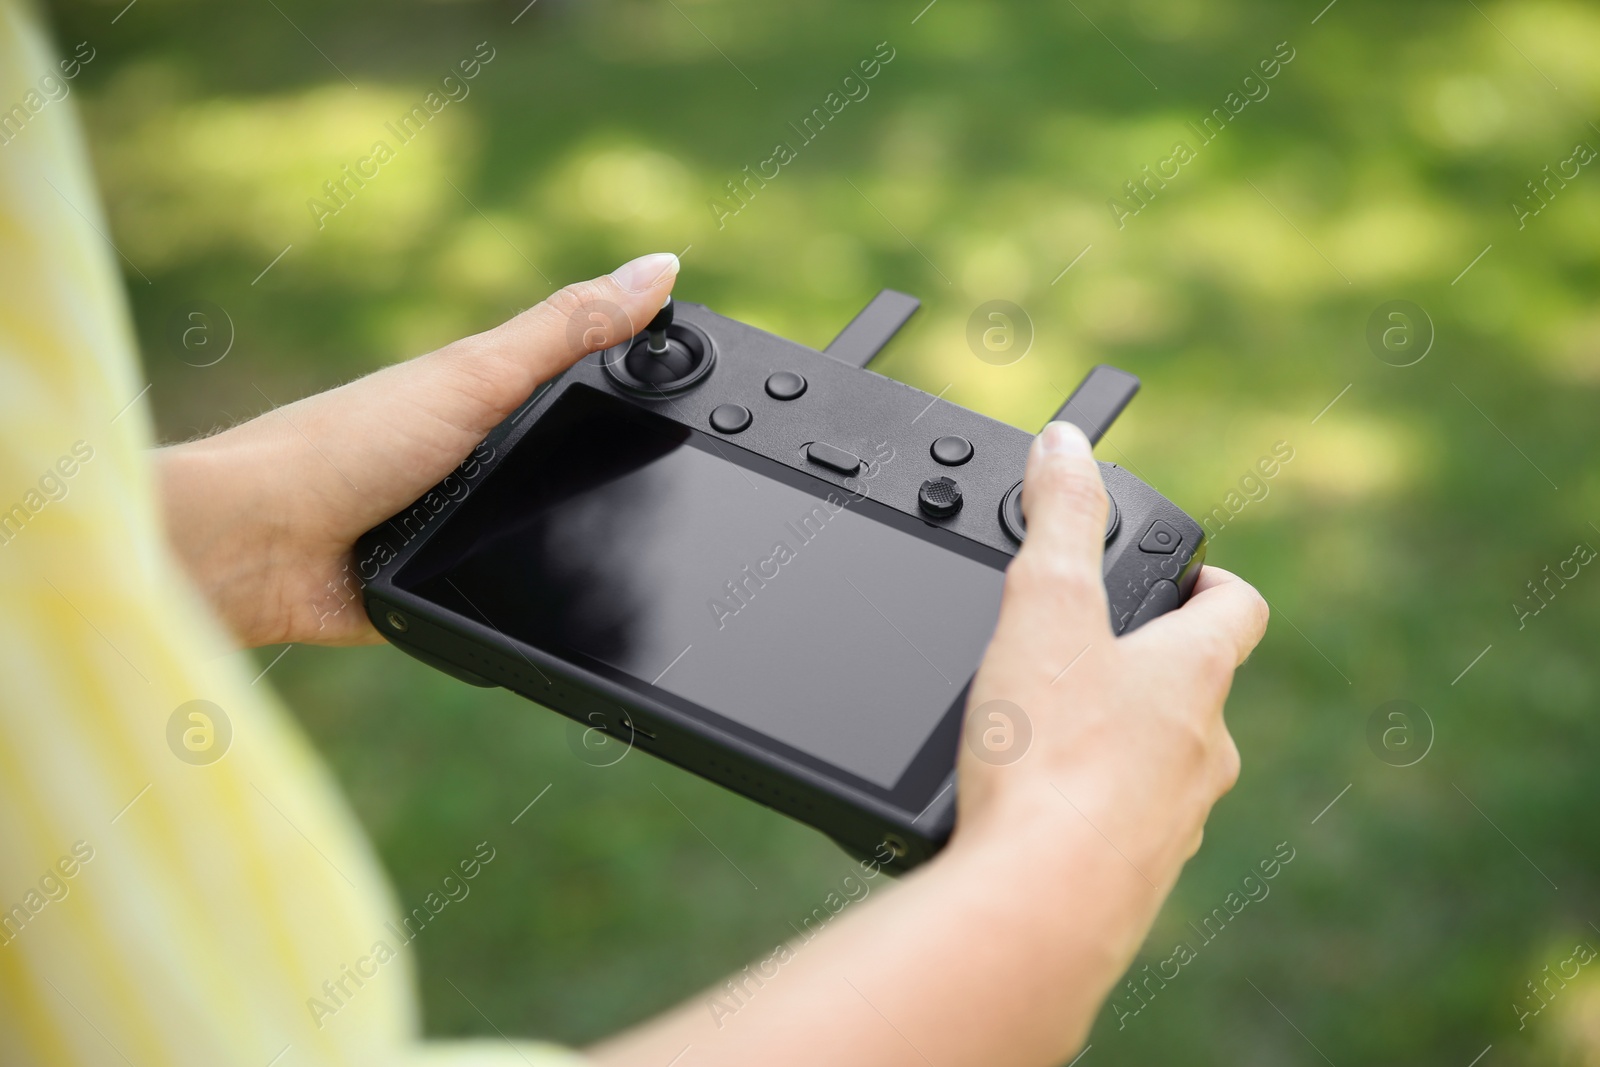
{"points": [[1011, 514]]}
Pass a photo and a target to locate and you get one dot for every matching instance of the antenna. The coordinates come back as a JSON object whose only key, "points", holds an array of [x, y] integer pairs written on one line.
{"points": [[1098, 400], [872, 328]]}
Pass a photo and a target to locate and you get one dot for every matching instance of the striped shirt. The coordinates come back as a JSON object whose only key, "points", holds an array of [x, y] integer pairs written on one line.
{"points": [[180, 880]]}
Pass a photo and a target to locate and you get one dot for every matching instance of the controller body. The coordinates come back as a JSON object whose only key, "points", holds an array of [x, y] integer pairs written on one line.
{"points": [[587, 538]]}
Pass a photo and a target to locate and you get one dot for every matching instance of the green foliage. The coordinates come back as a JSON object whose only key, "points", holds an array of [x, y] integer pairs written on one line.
{"points": [[1386, 156]]}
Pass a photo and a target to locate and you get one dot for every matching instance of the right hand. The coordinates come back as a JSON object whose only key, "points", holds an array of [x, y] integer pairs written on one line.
{"points": [[1130, 738], [1060, 858]]}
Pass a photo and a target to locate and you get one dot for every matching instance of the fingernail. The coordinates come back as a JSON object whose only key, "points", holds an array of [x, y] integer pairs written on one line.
{"points": [[646, 272], [1064, 439]]}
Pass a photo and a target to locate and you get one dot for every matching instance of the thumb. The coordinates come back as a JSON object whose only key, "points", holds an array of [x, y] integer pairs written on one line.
{"points": [[395, 433], [1064, 498], [586, 317], [1055, 583], [495, 371]]}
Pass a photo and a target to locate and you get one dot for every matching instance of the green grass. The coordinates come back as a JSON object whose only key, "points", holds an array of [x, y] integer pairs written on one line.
{"points": [[1384, 160]]}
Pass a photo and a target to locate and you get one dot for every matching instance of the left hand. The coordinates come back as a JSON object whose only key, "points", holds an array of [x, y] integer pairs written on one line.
{"points": [[265, 516]]}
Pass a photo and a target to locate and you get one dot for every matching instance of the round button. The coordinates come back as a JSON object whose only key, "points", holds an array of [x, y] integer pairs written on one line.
{"points": [[940, 497], [952, 450], [1012, 519], [785, 385], [730, 418]]}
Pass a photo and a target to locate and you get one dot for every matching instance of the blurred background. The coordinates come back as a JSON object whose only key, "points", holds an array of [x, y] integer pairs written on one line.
{"points": [[1441, 459]]}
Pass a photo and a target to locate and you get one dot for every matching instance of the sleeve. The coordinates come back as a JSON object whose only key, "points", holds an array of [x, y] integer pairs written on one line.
{"points": [[180, 880]]}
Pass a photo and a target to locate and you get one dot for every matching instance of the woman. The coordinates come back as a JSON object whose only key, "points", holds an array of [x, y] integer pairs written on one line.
{"points": [[157, 909]]}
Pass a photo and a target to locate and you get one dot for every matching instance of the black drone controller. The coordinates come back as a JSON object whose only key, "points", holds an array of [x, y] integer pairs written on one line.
{"points": [[758, 561]]}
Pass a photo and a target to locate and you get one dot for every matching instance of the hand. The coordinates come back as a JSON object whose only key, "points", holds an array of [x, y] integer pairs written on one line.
{"points": [[265, 515], [1002, 949], [1127, 733]]}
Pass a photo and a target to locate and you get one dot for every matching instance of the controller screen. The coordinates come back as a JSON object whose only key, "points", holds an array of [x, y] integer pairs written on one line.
{"points": [[807, 615]]}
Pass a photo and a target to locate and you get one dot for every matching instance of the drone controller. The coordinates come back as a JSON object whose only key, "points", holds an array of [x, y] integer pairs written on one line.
{"points": [[761, 562]]}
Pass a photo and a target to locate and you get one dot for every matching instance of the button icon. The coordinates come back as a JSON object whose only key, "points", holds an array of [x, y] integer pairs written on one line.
{"points": [[835, 459], [952, 450], [785, 385], [939, 497], [730, 418], [1160, 539]]}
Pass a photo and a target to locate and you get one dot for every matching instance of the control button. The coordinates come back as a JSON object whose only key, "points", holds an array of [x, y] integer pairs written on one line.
{"points": [[952, 450], [835, 459], [785, 385], [730, 418], [1161, 538], [1162, 598], [940, 497], [1015, 525]]}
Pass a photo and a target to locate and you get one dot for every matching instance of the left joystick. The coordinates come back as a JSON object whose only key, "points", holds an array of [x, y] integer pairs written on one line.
{"points": [[667, 356], [656, 331]]}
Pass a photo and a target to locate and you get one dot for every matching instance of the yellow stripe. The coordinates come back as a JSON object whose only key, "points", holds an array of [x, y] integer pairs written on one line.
{"points": [[205, 919]]}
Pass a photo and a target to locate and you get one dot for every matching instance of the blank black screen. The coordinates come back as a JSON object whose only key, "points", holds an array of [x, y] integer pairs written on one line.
{"points": [[771, 598]]}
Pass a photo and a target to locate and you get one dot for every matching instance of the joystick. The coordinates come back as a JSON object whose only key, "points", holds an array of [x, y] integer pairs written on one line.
{"points": [[656, 331], [667, 357]]}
